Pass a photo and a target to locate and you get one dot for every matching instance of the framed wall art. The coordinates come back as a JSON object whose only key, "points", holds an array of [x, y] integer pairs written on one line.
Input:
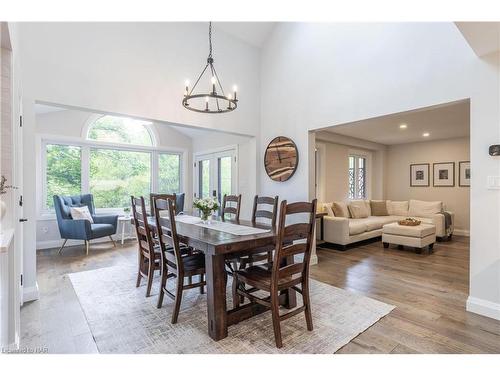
{"points": [[444, 174], [464, 173], [419, 175]]}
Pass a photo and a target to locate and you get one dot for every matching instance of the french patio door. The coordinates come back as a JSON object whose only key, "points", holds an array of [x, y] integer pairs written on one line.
{"points": [[215, 174]]}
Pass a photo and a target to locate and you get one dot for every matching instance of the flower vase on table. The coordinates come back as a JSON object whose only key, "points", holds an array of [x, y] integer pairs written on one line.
{"points": [[206, 206]]}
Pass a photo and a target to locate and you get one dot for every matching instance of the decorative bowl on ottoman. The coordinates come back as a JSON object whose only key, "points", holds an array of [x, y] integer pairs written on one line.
{"points": [[410, 222]]}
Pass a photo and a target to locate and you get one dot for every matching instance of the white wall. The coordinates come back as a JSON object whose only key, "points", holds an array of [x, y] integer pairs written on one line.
{"points": [[399, 158], [72, 124], [319, 75], [133, 69], [246, 161]]}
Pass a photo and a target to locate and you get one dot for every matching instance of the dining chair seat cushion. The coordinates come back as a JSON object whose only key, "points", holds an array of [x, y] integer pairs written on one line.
{"points": [[259, 276], [101, 230], [193, 263]]}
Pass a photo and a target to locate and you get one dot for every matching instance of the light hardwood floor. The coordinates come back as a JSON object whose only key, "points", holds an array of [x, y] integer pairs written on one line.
{"points": [[429, 291]]}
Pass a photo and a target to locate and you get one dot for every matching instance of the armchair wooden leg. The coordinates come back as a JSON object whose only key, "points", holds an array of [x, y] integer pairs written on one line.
{"points": [[87, 246], [61, 248], [112, 240]]}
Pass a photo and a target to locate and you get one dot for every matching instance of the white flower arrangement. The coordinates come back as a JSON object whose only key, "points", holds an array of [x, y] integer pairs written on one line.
{"points": [[206, 206]]}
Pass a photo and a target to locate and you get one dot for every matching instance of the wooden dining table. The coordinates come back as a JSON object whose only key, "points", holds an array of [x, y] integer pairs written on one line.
{"points": [[218, 248]]}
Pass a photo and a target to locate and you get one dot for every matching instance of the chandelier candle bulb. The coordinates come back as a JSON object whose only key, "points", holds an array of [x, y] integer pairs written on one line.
{"points": [[213, 85], [206, 103], [235, 89]]}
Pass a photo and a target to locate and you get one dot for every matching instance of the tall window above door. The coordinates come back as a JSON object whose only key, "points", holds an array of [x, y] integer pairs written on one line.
{"points": [[357, 177]]}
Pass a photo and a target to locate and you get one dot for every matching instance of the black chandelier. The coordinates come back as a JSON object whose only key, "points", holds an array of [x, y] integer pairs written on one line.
{"points": [[214, 101]]}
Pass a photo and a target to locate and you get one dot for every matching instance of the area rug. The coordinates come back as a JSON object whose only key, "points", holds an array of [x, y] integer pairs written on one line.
{"points": [[123, 320]]}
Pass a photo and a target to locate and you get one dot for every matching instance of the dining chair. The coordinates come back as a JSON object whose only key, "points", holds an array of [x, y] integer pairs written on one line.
{"points": [[154, 196], [293, 239], [265, 209], [177, 259], [229, 208], [149, 254]]}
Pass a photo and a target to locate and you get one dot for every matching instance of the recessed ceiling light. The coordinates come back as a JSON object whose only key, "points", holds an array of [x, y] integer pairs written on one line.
{"points": [[426, 134], [403, 126]]}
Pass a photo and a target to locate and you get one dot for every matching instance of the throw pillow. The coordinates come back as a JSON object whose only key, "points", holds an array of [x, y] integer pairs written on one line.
{"points": [[358, 209], [379, 208], [340, 209], [328, 208], [424, 209], [398, 208], [81, 213]]}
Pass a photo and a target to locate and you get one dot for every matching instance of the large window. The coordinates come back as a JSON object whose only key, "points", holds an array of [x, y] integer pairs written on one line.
{"points": [[357, 177], [115, 175], [63, 171], [112, 173]]}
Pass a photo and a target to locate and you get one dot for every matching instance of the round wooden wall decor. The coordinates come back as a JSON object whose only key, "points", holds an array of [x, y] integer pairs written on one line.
{"points": [[281, 159]]}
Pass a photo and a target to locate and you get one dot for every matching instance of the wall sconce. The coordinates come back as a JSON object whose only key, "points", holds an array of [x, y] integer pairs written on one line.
{"points": [[494, 150]]}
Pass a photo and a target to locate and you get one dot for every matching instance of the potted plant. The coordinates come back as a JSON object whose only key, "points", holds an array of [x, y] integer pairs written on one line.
{"points": [[3, 190], [206, 206], [126, 211]]}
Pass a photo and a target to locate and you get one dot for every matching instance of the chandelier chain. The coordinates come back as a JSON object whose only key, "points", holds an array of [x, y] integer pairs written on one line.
{"points": [[210, 39]]}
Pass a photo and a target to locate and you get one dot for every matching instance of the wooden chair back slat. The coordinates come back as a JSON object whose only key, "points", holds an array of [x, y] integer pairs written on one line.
{"points": [[294, 249], [154, 196], [291, 269], [296, 231], [230, 210], [261, 212]]}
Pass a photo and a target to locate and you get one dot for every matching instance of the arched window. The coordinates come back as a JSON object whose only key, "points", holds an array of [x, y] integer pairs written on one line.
{"points": [[115, 129]]}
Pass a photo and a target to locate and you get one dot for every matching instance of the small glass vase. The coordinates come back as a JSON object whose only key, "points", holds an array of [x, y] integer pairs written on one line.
{"points": [[205, 217]]}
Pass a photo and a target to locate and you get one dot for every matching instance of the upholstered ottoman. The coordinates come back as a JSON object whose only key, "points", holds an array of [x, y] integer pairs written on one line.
{"points": [[417, 237]]}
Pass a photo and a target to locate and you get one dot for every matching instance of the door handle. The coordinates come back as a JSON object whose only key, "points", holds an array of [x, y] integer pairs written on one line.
{"points": [[22, 220]]}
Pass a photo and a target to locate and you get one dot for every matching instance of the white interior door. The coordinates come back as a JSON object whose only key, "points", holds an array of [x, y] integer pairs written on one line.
{"points": [[215, 174], [19, 214]]}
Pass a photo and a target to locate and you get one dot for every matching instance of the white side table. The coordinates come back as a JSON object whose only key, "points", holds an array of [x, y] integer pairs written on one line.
{"points": [[123, 221]]}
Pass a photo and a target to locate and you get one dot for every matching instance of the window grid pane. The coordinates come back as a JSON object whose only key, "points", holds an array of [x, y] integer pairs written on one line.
{"points": [[169, 173], [63, 171], [115, 175]]}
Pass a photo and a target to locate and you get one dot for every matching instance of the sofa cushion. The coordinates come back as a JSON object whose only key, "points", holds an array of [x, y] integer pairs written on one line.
{"points": [[340, 209], [327, 207], [357, 226], [379, 208], [101, 230], [424, 208], [358, 209], [397, 208], [377, 222]]}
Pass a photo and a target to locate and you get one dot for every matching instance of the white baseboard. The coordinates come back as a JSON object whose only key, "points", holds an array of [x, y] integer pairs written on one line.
{"points": [[50, 244], [461, 232], [31, 293], [483, 307]]}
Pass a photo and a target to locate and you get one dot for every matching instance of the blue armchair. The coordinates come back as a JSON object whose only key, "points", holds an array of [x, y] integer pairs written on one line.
{"points": [[104, 225]]}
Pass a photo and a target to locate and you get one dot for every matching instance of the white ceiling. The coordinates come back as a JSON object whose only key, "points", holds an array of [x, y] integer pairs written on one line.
{"points": [[483, 37], [449, 120], [254, 33]]}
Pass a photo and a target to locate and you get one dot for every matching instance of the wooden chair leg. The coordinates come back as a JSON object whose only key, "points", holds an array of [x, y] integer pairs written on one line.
{"points": [[307, 303], [202, 288], [151, 272], [139, 276], [178, 298], [163, 284], [275, 306]]}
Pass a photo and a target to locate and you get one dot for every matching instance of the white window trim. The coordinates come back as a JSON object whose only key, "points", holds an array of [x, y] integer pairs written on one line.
{"points": [[368, 173], [43, 139]]}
